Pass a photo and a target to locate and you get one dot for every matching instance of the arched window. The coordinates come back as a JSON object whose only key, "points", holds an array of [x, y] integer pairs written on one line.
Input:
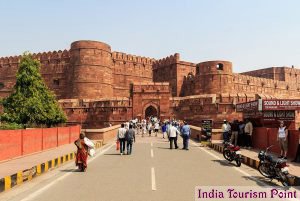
{"points": [[220, 66]]}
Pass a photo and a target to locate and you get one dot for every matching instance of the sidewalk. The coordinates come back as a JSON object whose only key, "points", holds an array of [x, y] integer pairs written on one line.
{"points": [[27, 162], [251, 159], [16, 171]]}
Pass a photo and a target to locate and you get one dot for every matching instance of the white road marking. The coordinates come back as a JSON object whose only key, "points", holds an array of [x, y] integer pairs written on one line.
{"points": [[152, 155], [41, 190], [151, 144], [153, 179], [236, 168]]}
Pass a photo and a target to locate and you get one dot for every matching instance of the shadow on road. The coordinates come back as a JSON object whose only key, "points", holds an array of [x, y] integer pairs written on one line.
{"points": [[163, 147], [224, 163], [261, 181], [70, 170], [113, 154]]}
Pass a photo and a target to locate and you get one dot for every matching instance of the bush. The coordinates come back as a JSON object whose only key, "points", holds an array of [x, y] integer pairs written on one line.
{"points": [[10, 126]]}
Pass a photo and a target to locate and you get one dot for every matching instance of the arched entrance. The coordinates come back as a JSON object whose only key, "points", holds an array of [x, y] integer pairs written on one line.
{"points": [[151, 111]]}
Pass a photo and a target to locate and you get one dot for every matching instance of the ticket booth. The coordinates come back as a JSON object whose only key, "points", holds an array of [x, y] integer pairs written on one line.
{"points": [[268, 113]]}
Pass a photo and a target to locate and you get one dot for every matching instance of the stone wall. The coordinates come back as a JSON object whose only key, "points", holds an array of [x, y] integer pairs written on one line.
{"points": [[216, 77], [128, 69], [89, 70], [106, 134], [55, 70], [97, 113], [196, 108]]}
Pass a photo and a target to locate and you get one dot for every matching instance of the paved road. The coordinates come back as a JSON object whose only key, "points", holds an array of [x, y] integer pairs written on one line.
{"points": [[152, 172]]}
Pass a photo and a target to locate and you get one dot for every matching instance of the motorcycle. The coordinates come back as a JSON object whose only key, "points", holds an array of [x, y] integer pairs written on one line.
{"points": [[273, 168], [231, 152]]}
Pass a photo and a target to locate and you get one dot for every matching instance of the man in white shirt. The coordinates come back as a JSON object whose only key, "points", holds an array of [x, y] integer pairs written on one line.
{"points": [[121, 137], [156, 128], [173, 133], [226, 131]]}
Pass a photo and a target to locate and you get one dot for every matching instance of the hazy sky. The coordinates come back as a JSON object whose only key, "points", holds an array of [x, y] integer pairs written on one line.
{"points": [[250, 33]]}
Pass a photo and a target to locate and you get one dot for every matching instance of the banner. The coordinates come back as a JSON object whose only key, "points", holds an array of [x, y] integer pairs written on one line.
{"points": [[282, 104]]}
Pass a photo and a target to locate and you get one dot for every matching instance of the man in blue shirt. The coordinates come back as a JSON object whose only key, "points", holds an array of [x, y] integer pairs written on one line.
{"points": [[186, 132]]}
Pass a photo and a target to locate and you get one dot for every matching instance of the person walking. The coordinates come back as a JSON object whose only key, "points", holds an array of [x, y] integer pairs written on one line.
{"points": [[164, 129], [186, 132], [173, 133], [144, 127], [82, 153], [248, 134], [121, 137], [149, 128], [130, 138], [156, 128], [282, 139], [168, 129]]}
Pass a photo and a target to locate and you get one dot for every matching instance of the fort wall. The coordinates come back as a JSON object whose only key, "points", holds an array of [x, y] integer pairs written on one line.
{"points": [[172, 70], [96, 86], [92, 70], [97, 113], [55, 70], [128, 69]]}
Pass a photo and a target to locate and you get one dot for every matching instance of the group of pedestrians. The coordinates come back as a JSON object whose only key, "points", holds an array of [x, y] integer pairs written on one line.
{"points": [[173, 129], [126, 137], [149, 126], [170, 129], [238, 132]]}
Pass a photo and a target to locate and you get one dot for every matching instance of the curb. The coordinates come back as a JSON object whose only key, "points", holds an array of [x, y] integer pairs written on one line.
{"points": [[20, 177], [294, 180]]}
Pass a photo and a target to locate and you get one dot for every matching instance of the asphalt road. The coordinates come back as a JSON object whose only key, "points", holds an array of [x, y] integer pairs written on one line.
{"points": [[152, 173]]}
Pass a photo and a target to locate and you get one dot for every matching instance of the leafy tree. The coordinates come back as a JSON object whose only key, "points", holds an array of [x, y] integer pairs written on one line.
{"points": [[31, 102]]}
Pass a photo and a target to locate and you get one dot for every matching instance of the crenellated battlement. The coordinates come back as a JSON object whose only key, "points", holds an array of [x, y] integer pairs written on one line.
{"points": [[172, 59], [247, 80], [131, 58], [54, 55], [4, 61], [41, 56]]}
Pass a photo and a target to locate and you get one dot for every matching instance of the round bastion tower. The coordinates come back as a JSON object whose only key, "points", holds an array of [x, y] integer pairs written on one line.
{"points": [[215, 77], [92, 75]]}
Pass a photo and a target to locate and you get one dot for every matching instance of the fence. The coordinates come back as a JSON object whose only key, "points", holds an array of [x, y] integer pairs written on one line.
{"points": [[15, 143]]}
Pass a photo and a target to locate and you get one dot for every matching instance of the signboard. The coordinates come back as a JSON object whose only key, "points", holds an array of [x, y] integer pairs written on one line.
{"points": [[279, 115], [207, 125], [253, 114], [282, 104], [249, 106]]}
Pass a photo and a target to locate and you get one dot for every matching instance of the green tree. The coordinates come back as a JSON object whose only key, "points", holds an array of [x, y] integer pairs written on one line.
{"points": [[31, 102]]}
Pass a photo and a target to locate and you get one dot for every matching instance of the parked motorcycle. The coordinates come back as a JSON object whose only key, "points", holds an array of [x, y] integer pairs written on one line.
{"points": [[273, 168], [231, 152]]}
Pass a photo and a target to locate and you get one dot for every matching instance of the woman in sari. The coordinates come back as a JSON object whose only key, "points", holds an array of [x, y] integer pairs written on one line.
{"points": [[82, 153]]}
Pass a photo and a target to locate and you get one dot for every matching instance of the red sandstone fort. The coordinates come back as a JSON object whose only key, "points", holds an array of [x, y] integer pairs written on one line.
{"points": [[96, 85]]}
